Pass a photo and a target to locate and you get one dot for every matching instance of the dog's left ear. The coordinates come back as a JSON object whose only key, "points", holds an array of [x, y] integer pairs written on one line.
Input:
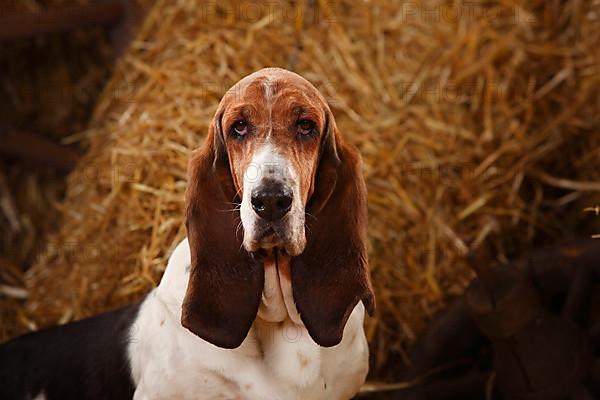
{"points": [[331, 276]]}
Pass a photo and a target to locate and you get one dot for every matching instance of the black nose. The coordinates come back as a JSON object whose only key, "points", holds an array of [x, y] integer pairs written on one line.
{"points": [[271, 201]]}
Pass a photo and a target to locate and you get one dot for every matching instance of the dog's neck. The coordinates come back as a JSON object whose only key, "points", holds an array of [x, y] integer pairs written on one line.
{"points": [[277, 302]]}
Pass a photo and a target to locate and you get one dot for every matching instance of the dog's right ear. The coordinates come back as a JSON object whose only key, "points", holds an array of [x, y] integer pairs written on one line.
{"points": [[225, 284]]}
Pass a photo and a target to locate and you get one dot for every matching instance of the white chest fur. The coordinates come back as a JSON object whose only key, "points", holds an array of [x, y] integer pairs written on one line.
{"points": [[276, 360]]}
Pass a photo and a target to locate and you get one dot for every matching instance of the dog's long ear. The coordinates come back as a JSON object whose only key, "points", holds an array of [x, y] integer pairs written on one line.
{"points": [[225, 283], [331, 276]]}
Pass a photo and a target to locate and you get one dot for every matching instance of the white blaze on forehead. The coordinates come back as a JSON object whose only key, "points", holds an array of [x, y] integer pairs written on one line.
{"points": [[269, 87], [267, 162]]}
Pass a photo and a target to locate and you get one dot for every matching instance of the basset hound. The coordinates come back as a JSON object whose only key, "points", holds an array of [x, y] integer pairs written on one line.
{"points": [[266, 297]]}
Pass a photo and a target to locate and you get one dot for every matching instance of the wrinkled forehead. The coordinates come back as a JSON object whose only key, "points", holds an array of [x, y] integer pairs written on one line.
{"points": [[273, 91]]}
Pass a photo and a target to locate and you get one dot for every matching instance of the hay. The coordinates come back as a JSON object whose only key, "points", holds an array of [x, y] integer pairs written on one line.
{"points": [[474, 129]]}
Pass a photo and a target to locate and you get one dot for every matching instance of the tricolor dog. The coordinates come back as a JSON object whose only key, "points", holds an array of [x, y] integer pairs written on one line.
{"points": [[264, 300]]}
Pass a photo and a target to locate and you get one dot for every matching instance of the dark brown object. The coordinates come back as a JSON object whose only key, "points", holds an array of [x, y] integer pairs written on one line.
{"points": [[451, 336], [552, 268], [536, 355], [525, 331], [33, 148], [464, 387], [62, 19], [505, 303]]}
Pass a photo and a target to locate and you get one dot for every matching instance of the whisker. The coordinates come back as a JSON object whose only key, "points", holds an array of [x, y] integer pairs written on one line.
{"points": [[308, 228], [310, 215], [239, 225], [230, 210], [237, 206], [237, 193]]}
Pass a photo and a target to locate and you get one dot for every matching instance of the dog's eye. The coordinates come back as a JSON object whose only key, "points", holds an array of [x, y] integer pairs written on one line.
{"points": [[305, 126], [240, 128]]}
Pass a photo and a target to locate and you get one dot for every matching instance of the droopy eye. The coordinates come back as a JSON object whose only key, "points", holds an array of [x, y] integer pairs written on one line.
{"points": [[240, 128], [305, 126]]}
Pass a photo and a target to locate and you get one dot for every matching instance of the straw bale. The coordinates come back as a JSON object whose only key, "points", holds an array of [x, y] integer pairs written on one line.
{"points": [[475, 127]]}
